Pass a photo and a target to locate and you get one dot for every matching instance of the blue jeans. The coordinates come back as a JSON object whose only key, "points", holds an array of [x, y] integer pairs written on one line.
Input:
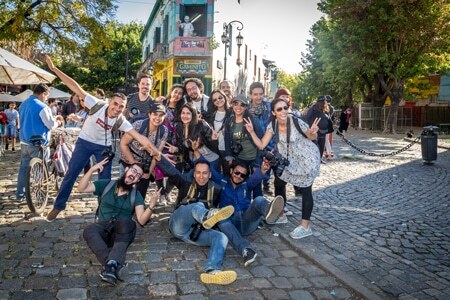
{"points": [[180, 224], [27, 153], [80, 156], [244, 223]]}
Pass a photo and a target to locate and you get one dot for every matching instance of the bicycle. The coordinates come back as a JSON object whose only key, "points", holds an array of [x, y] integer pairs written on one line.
{"points": [[41, 176]]}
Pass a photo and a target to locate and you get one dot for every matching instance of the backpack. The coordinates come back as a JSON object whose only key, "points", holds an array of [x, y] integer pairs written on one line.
{"points": [[97, 106], [108, 187]]}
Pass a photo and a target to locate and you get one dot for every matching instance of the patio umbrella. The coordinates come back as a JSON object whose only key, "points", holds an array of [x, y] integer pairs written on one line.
{"points": [[17, 71], [57, 94], [24, 95], [8, 98]]}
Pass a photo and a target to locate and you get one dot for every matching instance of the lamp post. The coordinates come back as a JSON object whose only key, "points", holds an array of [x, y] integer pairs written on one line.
{"points": [[227, 37]]}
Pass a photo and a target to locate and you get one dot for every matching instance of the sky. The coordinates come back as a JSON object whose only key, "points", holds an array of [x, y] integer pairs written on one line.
{"points": [[286, 24]]}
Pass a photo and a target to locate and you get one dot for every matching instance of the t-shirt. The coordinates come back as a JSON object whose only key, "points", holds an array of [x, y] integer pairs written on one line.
{"points": [[218, 127], [11, 115], [248, 149], [113, 206], [143, 107], [94, 127]]}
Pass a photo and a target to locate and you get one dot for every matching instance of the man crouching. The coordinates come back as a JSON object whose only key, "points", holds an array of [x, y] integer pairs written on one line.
{"points": [[115, 229]]}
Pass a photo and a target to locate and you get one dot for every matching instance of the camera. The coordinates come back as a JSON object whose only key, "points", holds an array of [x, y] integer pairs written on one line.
{"points": [[236, 148], [108, 154], [134, 111], [146, 166], [276, 161], [196, 230]]}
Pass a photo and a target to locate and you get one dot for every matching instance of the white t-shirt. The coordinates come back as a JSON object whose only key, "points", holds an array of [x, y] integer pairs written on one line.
{"points": [[94, 127]]}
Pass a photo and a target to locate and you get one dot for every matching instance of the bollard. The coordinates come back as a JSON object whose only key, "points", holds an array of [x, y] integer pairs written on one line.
{"points": [[428, 140]]}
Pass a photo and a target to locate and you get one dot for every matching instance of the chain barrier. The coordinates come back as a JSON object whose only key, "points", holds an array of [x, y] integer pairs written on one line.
{"points": [[416, 140]]}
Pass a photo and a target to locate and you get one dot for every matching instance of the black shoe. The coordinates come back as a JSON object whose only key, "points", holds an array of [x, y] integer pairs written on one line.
{"points": [[119, 270], [108, 273], [267, 191], [249, 256], [13, 149]]}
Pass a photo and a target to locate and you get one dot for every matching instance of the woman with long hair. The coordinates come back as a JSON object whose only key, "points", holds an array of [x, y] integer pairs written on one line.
{"points": [[318, 111], [293, 140], [190, 129], [77, 119], [217, 121]]}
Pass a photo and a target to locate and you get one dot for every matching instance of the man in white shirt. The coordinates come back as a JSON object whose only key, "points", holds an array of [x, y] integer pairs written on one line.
{"points": [[187, 27], [95, 137]]}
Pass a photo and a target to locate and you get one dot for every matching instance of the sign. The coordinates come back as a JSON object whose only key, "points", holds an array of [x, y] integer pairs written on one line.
{"points": [[193, 66], [193, 44]]}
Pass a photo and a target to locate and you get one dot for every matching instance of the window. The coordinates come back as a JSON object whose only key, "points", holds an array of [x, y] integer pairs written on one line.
{"points": [[198, 17]]}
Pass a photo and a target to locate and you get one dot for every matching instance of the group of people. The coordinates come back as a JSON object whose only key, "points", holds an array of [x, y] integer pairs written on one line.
{"points": [[218, 150]]}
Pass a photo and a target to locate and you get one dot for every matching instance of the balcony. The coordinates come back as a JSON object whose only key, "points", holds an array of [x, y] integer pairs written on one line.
{"points": [[191, 46]]}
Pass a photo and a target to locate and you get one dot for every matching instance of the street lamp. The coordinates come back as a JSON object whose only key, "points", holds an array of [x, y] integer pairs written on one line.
{"points": [[226, 38]]}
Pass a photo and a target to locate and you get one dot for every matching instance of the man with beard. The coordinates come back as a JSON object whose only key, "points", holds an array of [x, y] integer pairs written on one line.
{"points": [[227, 87], [194, 88], [139, 103], [115, 230]]}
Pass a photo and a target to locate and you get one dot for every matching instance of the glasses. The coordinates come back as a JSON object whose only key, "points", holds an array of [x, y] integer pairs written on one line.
{"points": [[282, 108], [218, 98], [240, 174], [238, 103], [136, 173]]}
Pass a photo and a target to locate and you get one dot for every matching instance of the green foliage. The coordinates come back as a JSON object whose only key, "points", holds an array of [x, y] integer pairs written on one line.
{"points": [[52, 25]]}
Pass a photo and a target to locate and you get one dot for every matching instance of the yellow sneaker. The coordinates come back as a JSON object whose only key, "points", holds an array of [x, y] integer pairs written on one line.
{"points": [[215, 215], [218, 277]]}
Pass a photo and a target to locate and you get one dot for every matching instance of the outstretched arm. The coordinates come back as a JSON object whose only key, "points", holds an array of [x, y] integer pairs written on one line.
{"points": [[71, 84], [85, 185]]}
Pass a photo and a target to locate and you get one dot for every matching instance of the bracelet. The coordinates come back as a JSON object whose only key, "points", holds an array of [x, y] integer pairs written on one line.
{"points": [[151, 209]]}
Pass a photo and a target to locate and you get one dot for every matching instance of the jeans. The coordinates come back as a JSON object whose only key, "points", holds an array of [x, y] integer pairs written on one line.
{"points": [[244, 223], [110, 240], [181, 224], [80, 156], [27, 153]]}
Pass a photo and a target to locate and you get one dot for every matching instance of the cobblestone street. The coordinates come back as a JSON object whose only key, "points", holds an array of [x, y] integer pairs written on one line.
{"points": [[381, 231]]}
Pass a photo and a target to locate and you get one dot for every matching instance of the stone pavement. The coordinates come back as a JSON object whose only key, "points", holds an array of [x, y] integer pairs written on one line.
{"points": [[381, 231]]}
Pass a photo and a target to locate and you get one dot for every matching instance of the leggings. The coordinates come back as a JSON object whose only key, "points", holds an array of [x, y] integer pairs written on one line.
{"points": [[307, 198]]}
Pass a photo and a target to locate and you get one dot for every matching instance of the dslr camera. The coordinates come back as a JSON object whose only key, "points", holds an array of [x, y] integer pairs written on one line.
{"points": [[108, 154], [134, 111], [276, 161], [236, 148]]}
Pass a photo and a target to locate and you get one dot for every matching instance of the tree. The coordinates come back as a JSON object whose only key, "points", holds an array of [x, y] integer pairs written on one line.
{"points": [[372, 47], [50, 25]]}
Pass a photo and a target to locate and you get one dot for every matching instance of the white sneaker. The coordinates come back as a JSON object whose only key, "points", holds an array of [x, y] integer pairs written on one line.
{"points": [[275, 208], [300, 232], [280, 220], [287, 212]]}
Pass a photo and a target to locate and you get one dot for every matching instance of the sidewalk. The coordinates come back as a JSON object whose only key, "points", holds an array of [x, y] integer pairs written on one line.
{"points": [[371, 239]]}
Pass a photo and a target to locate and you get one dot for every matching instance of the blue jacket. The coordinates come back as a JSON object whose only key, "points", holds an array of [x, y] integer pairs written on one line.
{"points": [[31, 123], [239, 197]]}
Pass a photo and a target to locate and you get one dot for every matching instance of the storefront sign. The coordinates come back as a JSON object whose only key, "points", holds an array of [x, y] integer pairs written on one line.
{"points": [[192, 44], [192, 66]]}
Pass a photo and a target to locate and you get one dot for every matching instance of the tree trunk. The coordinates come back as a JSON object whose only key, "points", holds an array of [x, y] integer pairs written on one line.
{"points": [[396, 95]]}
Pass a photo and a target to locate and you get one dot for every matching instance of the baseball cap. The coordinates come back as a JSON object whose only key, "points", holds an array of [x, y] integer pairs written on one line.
{"points": [[157, 107], [240, 98]]}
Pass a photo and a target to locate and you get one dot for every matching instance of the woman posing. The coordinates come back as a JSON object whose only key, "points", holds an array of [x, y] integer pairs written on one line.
{"points": [[217, 121], [303, 155]]}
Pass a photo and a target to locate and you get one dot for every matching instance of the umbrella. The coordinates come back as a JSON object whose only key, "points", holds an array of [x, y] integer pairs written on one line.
{"points": [[8, 98], [24, 95], [55, 93], [17, 71]]}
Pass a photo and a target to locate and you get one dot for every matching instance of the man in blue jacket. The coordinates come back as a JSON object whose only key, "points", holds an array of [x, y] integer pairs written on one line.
{"points": [[236, 191], [36, 121]]}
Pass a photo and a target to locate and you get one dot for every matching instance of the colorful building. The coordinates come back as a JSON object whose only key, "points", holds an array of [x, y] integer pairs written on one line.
{"points": [[172, 53]]}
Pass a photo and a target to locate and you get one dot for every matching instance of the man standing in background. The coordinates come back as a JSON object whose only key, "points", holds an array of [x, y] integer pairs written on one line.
{"points": [[12, 125], [139, 103]]}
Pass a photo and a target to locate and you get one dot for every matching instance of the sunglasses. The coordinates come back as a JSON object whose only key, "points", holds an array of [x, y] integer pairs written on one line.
{"points": [[282, 108], [218, 98], [238, 103], [240, 174]]}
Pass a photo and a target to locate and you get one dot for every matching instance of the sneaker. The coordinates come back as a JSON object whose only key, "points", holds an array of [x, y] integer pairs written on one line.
{"points": [[287, 212], [119, 270], [275, 209], [13, 149], [266, 190], [300, 232], [282, 219], [215, 215], [108, 273], [249, 256], [322, 161], [52, 215], [218, 277]]}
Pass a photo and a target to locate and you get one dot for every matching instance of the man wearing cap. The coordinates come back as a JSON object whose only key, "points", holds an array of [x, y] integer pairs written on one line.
{"points": [[151, 127], [187, 27]]}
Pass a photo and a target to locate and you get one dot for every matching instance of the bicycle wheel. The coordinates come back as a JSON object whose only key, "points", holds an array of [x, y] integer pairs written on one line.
{"points": [[36, 186]]}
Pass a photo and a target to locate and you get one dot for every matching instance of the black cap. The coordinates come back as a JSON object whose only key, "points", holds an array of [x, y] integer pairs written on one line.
{"points": [[240, 98], [157, 107]]}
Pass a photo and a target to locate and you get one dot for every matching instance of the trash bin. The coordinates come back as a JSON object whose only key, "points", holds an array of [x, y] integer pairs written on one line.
{"points": [[428, 140]]}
